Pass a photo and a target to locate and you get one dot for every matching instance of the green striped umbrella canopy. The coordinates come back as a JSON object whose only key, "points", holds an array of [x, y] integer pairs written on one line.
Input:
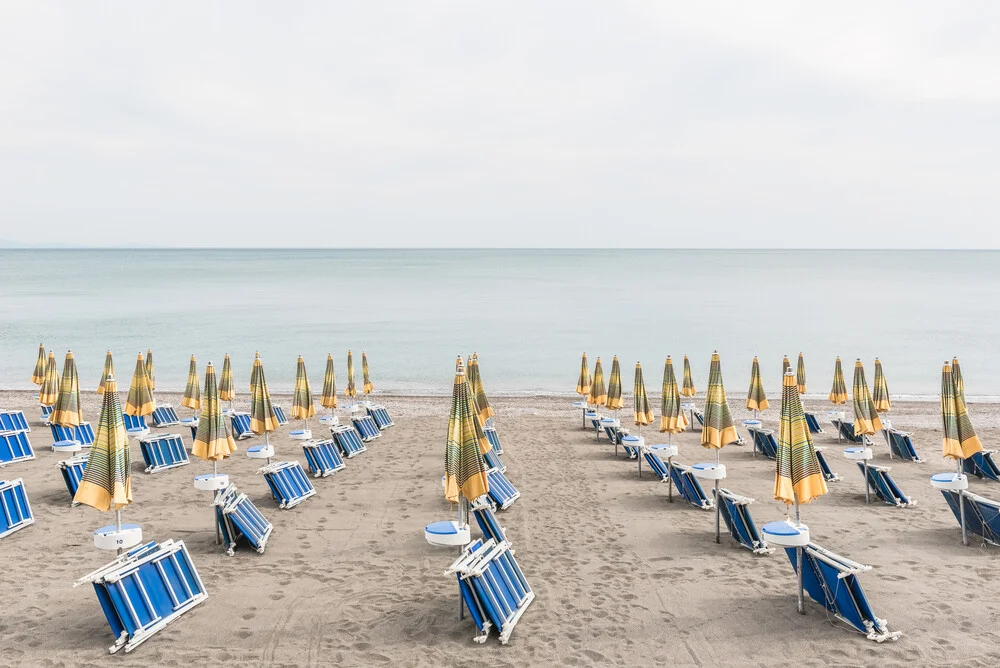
{"points": [[192, 392], [956, 373], [672, 419], [785, 366], [329, 398], [838, 393], [598, 393], [798, 477], [49, 391], [880, 389], [67, 411], [479, 391], [140, 399], [718, 430], [38, 375], [107, 479], [366, 381], [688, 388], [351, 390], [109, 370], [866, 419], [756, 399], [615, 400], [642, 413], [464, 467], [583, 381], [484, 443], [262, 419], [227, 388], [303, 407], [800, 375], [212, 441], [150, 370], [960, 440]]}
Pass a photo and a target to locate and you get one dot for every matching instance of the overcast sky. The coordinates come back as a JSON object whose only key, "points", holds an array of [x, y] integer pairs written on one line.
{"points": [[669, 124]]}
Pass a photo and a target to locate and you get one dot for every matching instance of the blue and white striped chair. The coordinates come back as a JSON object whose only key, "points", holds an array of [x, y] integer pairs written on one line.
{"points": [[13, 421], [15, 510]]}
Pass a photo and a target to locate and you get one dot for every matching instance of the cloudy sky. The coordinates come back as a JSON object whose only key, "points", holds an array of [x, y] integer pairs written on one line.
{"points": [[668, 124]]}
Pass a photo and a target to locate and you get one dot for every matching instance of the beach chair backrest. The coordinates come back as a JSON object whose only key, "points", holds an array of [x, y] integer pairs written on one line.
{"points": [[15, 447], [15, 510], [13, 421]]}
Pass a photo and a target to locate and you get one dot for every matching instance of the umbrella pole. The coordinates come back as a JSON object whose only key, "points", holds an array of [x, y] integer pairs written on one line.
{"points": [[118, 526], [670, 470], [463, 520], [961, 508], [638, 454], [267, 443], [798, 558], [716, 492], [218, 533], [868, 494]]}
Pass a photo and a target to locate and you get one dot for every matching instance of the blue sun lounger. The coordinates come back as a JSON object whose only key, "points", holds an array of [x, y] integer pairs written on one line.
{"points": [[134, 421], [594, 418], [502, 492], [982, 465], [240, 522], [661, 469], [83, 433], [46, 414], [15, 447], [982, 515], [493, 461], [735, 511], [366, 426], [163, 451], [615, 434], [288, 483], [828, 473], [493, 587], [240, 423], [348, 440], [323, 457], [813, 424], [145, 589], [688, 487], [15, 511], [831, 581], [884, 486], [494, 438], [763, 442], [279, 414], [13, 421], [902, 446], [846, 431], [488, 522], [72, 473], [630, 443], [381, 416], [165, 416]]}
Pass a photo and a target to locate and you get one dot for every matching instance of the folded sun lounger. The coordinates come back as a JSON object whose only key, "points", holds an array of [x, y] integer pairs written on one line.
{"points": [[688, 487], [145, 589], [240, 521], [163, 451], [494, 438], [15, 511], [366, 426], [884, 486], [15, 447], [735, 511], [46, 413], [241, 425], [83, 433], [493, 461], [488, 522], [380, 415], [13, 421], [72, 472], [763, 442], [348, 440], [846, 431], [813, 423], [630, 444], [134, 421], [165, 416], [660, 468], [323, 457], [982, 465], [502, 492], [828, 474], [288, 483], [279, 414], [902, 446], [982, 515]]}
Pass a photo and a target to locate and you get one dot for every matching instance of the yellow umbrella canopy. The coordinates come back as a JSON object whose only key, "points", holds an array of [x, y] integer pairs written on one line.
{"points": [[838, 394], [615, 400], [366, 380], [192, 392], [329, 398], [956, 374], [688, 388], [798, 477], [598, 394], [38, 375], [465, 470], [642, 414], [262, 418], [756, 399], [109, 370], [880, 389], [351, 390], [478, 390], [718, 429], [672, 418], [140, 399], [960, 440], [150, 370], [866, 419], [49, 391], [484, 443], [303, 407], [583, 382], [800, 376], [212, 441], [67, 411], [107, 479], [227, 389]]}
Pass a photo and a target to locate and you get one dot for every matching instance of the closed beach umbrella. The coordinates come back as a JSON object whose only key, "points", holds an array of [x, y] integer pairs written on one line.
{"points": [[49, 391], [880, 389], [479, 391], [303, 407], [227, 389], [838, 394], [956, 373], [367, 387], [642, 412], [107, 479], [212, 441], [329, 398], [688, 387], [598, 393], [583, 382], [464, 467], [351, 390], [484, 443], [756, 399], [718, 430], [67, 411], [262, 419], [150, 370], [798, 477], [800, 375], [192, 392], [38, 375], [140, 399], [866, 419], [109, 370], [672, 419], [615, 400], [785, 366], [960, 440]]}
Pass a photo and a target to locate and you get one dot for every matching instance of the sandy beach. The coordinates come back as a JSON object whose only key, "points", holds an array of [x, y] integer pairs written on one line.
{"points": [[621, 576]]}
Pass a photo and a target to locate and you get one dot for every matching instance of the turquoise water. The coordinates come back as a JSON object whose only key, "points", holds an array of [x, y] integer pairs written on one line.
{"points": [[529, 314]]}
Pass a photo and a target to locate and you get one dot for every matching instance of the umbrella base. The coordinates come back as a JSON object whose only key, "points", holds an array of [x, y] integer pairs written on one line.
{"points": [[949, 481], [300, 434], [858, 454], [211, 482], [111, 538], [447, 534], [67, 447], [785, 534], [709, 471]]}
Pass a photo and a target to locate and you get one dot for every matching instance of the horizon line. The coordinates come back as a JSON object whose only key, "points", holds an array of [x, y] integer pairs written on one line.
{"points": [[31, 247]]}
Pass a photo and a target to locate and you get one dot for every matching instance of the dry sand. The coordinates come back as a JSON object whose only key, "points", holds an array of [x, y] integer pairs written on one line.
{"points": [[621, 576]]}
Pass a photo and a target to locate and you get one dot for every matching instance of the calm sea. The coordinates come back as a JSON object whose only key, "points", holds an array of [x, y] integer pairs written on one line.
{"points": [[529, 314]]}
